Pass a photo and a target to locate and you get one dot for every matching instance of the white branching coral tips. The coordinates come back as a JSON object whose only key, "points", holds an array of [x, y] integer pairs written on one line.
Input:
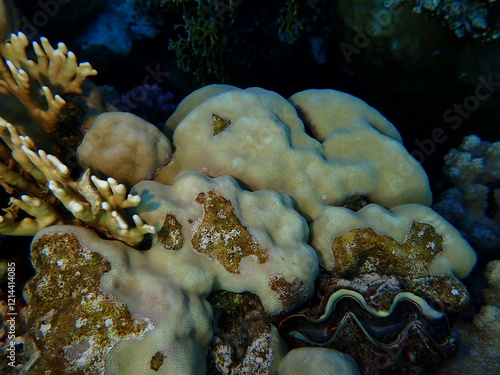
{"points": [[114, 200], [39, 84], [14, 141], [100, 204], [42, 215]]}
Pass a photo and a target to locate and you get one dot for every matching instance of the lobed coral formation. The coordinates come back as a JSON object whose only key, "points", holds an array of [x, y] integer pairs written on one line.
{"points": [[325, 361], [410, 242], [164, 288], [265, 136], [228, 207]]}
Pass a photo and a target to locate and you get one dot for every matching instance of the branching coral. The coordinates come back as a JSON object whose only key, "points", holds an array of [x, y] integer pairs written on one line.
{"points": [[99, 205], [39, 84], [472, 203], [35, 87]]}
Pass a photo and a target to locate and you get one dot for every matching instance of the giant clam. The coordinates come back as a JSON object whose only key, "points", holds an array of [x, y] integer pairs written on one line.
{"points": [[405, 339]]}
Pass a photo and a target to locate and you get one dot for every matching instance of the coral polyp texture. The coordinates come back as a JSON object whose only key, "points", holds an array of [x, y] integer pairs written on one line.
{"points": [[199, 250], [263, 144], [118, 138]]}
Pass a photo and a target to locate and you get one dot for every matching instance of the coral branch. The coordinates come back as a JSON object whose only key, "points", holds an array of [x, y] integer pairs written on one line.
{"points": [[43, 215], [99, 203], [39, 84], [15, 181], [115, 199], [15, 142]]}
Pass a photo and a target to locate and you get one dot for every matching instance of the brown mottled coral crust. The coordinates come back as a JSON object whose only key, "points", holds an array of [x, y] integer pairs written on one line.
{"points": [[364, 248], [361, 251], [221, 236], [288, 293], [170, 235], [157, 361], [242, 342], [220, 123], [74, 320]]}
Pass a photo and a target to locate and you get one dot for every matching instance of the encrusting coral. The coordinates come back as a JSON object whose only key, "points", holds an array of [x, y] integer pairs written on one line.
{"points": [[124, 287]]}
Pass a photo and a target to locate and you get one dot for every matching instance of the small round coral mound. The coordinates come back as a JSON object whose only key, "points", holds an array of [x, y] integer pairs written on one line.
{"points": [[123, 146]]}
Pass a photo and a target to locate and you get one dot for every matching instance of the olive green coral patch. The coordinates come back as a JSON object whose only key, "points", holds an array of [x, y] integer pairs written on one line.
{"points": [[74, 324], [170, 235], [220, 123], [363, 249], [157, 361], [221, 236]]}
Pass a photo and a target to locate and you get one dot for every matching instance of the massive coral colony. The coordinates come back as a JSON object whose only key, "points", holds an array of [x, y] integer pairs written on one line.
{"points": [[276, 236]]}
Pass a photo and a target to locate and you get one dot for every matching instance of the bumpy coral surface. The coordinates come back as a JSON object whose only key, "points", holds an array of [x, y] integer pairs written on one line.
{"points": [[211, 235], [125, 147], [131, 283], [264, 145], [323, 360], [110, 311], [408, 239], [250, 241]]}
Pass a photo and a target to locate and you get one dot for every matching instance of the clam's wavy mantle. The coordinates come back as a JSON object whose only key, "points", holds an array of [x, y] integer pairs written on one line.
{"points": [[410, 332]]}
